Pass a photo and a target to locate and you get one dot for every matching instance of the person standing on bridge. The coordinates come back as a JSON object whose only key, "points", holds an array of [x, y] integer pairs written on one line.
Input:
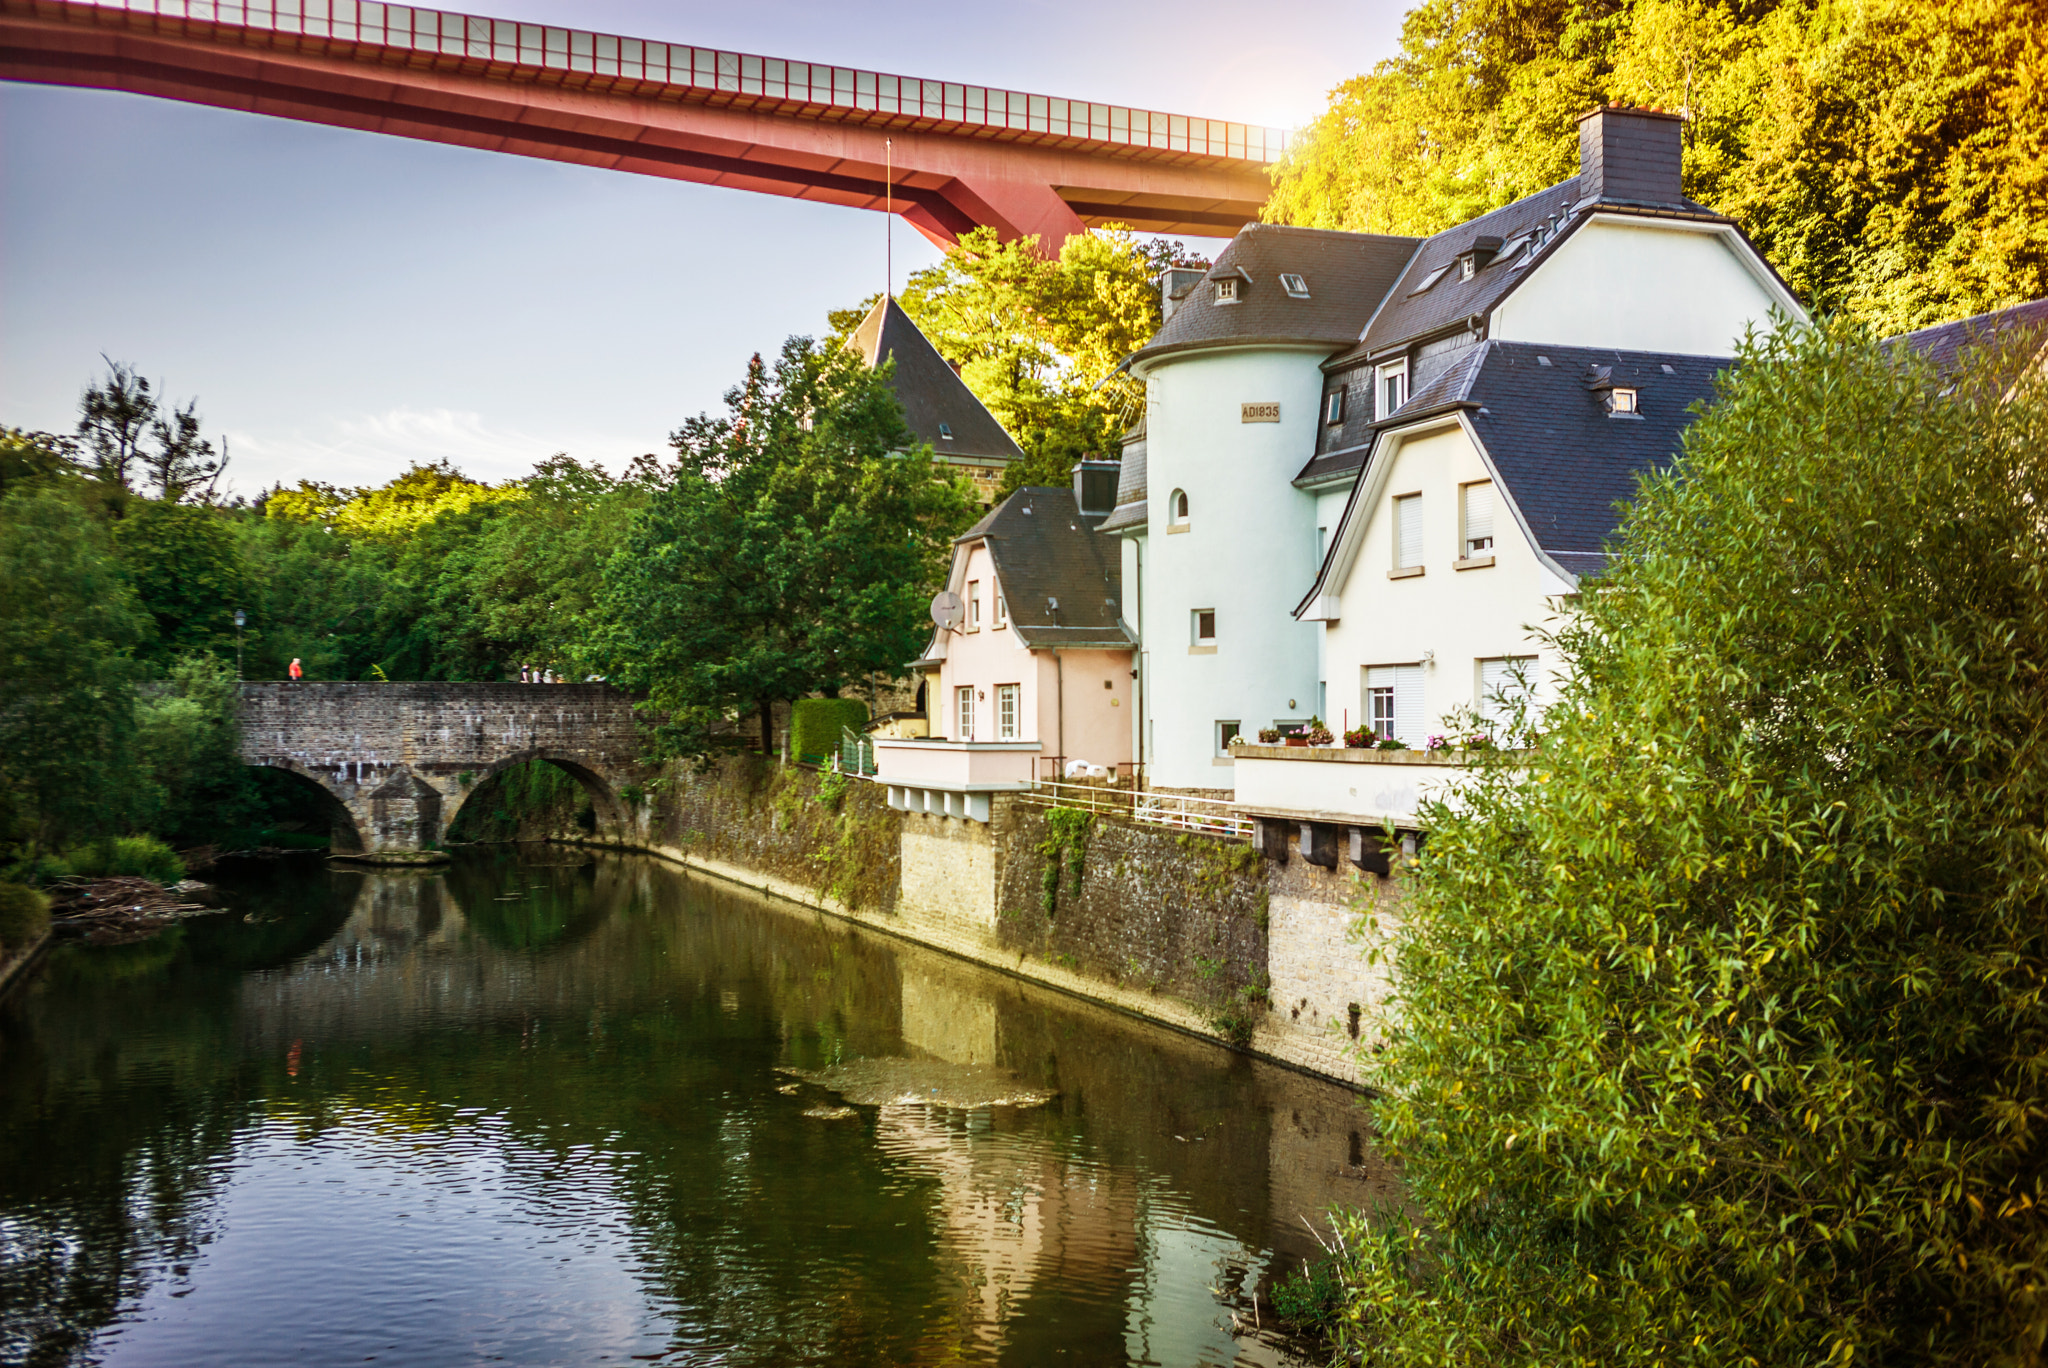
{"points": [[295, 671]]}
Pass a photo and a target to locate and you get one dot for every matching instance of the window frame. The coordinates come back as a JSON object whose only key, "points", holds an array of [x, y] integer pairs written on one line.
{"points": [[1222, 733], [1395, 372], [1178, 511], [973, 606], [1294, 284], [1226, 289], [1010, 697], [1397, 506], [1195, 636], [963, 711], [1624, 399], [1333, 406], [1466, 548], [999, 608]]}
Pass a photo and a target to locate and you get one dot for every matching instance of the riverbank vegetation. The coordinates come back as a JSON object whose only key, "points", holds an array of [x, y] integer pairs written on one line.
{"points": [[1720, 1031], [1885, 156]]}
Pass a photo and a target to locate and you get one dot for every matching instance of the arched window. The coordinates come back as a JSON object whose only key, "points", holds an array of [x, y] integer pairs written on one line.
{"points": [[1177, 508]]}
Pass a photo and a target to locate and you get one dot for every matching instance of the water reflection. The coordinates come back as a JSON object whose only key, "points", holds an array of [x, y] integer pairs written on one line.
{"points": [[539, 1107]]}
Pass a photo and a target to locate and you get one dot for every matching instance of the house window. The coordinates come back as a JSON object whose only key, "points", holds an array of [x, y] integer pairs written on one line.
{"points": [[1001, 608], [1205, 626], [1502, 682], [1408, 532], [1333, 406], [945, 432], [1623, 401], [1468, 266], [1177, 508], [1296, 287], [974, 605], [1393, 387], [963, 711], [1226, 732], [1393, 702], [1226, 290], [1478, 539], [1006, 712]]}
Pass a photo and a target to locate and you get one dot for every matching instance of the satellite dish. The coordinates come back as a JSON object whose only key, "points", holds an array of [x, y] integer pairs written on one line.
{"points": [[948, 611]]}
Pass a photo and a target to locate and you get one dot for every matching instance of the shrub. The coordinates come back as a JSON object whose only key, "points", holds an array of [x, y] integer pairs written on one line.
{"points": [[1719, 1030], [142, 857], [815, 725], [24, 916]]}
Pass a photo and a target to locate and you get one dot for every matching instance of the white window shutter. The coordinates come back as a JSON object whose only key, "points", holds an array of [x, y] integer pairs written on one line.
{"points": [[1478, 518], [1408, 723], [1497, 681], [1408, 530]]}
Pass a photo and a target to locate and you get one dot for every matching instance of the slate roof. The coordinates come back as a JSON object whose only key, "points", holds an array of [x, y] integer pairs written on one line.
{"points": [[1347, 275], [2023, 326], [1043, 550], [929, 390], [1131, 507], [1565, 462], [1411, 313]]}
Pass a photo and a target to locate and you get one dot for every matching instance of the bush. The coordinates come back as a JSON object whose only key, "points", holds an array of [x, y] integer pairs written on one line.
{"points": [[815, 725], [142, 857], [1720, 1033], [24, 917]]}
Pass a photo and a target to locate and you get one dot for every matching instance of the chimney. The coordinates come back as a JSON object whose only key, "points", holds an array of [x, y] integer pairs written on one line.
{"points": [[1630, 155], [1174, 284], [1095, 489]]}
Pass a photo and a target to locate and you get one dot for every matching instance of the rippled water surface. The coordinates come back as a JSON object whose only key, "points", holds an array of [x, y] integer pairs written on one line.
{"points": [[540, 1108]]}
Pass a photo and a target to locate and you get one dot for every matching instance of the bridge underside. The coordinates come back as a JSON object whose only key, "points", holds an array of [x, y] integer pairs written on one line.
{"points": [[947, 177]]}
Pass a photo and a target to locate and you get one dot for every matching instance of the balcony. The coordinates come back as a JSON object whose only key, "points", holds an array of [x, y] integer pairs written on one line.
{"points": [[1337, 784], [952, 778]]}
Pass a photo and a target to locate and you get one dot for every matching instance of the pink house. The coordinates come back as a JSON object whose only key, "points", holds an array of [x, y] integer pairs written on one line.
{"points": [[1035, 680]]}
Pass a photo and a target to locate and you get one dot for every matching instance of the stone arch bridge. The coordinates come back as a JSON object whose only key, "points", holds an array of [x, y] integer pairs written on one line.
{"points": [[400, 760]]}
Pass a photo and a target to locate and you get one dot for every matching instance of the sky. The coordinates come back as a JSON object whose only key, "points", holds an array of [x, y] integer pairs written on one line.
{"points": [[344, 304]]}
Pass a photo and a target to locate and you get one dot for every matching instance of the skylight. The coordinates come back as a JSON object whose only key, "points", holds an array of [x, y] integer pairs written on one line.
{"points": [[1432, 278], [946, 432], [1296, 287]]}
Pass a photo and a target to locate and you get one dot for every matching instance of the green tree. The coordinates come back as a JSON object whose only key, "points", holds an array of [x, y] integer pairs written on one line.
{"points": [[1720, 1032], [1887, 156], [791, 552], [68, 627], [1036, 338], [185, 562], [113, 422], [189, 743]]}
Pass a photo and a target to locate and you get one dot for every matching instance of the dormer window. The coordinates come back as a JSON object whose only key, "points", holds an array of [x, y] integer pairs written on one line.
{"points": [[1296, 287], [1468, 266], [1333, 406], [1622, 400], [1393, 387], [1226, 290]]}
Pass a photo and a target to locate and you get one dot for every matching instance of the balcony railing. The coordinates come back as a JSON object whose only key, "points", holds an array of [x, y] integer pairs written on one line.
{"points": [[1210, 816]]}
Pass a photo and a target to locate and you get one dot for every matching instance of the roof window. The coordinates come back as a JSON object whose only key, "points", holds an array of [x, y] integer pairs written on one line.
{"points": [[1226, 290], [1542, 360], [946, 432], [1296, 287], [1432, 278], [1622, 399], [1667, 369]]}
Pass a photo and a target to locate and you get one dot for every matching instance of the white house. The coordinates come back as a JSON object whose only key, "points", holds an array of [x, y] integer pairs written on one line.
{"points": [[1467, 444], [1036, 673]]}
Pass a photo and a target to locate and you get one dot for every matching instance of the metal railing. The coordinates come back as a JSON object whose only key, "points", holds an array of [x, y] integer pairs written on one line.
{"points": [[856, 753], [1210, 816], [587, 59]]}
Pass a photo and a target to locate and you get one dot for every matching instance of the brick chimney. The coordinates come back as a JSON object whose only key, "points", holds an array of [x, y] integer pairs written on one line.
{"points": [[1630, 155]]}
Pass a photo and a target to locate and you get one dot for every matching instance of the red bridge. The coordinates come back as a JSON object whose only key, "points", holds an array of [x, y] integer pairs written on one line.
{"points": [[963, 155]]}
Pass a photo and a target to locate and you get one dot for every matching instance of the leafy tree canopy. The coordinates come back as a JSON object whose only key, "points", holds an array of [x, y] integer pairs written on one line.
{"points": [[791, 551], [1887, 156], [1720, 1034], [1034, 336], [124, 431], [186, 565]]}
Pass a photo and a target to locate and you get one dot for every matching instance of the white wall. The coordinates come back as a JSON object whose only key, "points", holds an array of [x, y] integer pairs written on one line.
{"points": [[1641, 285], [1249, 553], [1462, 616]]}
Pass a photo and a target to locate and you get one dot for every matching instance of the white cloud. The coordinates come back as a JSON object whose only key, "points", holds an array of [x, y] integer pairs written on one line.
{"points": [[371, 448]]}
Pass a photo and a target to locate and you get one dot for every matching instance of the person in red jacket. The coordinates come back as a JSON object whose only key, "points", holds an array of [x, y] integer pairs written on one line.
{"points": [[295, 671]]}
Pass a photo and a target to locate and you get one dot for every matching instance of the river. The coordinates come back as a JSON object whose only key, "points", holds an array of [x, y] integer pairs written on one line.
{"points": [[544, 1107]]}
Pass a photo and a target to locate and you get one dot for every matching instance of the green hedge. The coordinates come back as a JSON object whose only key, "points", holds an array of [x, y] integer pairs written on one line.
{"points": [[815, 725]]}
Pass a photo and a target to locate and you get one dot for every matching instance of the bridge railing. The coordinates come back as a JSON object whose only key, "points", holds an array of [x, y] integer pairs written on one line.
{"points": [[604, 61]]}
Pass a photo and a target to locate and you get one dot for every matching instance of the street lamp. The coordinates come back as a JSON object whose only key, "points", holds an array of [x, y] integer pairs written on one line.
{"points": [[240, 618]]}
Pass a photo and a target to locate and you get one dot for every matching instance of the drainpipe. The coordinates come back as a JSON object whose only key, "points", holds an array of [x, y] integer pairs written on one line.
{"points": [[1059, 675]]}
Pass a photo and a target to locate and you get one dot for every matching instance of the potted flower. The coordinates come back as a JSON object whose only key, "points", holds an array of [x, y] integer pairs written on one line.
{"points": [[1297, 737], [1357, 739], [1269, 736], [1391, 743]]}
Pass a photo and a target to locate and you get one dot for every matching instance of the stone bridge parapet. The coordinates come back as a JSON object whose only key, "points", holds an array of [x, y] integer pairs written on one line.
{"points": [[402, 759]]}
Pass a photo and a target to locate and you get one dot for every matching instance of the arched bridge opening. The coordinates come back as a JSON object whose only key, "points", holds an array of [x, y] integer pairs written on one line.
{"points": [[406, 761], [539, 797]]}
